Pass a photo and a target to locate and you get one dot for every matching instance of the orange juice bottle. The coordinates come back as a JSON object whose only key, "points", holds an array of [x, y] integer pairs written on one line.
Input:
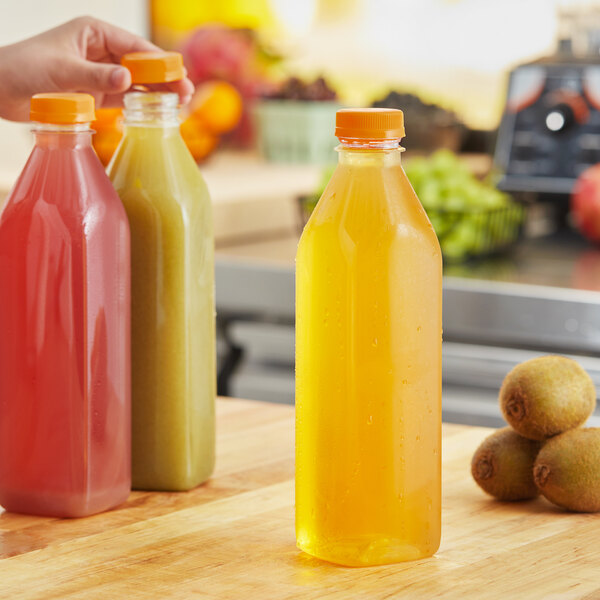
{"points": [[368, 358]]}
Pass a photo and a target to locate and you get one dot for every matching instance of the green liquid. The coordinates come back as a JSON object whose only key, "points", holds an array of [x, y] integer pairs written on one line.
{"points": [[173, 316]]}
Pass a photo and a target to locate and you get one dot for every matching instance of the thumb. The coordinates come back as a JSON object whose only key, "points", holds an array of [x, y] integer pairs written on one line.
{"points": [[86, 75]]}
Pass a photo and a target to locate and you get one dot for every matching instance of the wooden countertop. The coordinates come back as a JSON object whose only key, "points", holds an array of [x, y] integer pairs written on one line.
{"points": [[234, 537]]}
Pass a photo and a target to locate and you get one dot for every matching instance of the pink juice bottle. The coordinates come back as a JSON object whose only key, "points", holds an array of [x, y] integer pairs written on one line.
{"points": [[64, 324]]}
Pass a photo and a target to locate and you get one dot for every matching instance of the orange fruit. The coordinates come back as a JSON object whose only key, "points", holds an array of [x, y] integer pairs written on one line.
{"points": [[108, 118], [198, 139], [108, 128], [218, 105], [105, 148]]}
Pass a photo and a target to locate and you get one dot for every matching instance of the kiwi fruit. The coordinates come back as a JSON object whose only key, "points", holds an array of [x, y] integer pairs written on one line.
{"points": [[503, 465], [567, 470], [545, 396]]}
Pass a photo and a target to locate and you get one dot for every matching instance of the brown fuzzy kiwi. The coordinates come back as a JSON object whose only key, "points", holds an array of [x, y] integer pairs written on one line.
{"points": [[503, 465], [567, 470], [545, 396]]}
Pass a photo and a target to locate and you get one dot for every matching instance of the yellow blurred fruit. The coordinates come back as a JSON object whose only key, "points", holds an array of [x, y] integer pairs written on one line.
{"points": [[198, 139], [218, 105]]}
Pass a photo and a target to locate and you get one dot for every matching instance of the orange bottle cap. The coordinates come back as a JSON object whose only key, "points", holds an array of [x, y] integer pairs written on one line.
{"points": [[369, 123], [154, 67], [62, 109]]}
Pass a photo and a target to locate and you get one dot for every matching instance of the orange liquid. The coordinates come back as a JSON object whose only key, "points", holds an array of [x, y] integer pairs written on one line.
{"points": [[368, 369], [64, 347]]}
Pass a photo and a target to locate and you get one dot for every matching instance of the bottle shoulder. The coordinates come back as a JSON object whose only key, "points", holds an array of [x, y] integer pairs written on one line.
{"points": [[370, 200], [165, 173], [71, 180]]}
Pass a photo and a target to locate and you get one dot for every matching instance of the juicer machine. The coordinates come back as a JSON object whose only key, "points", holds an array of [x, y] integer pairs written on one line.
{"points": [[550, 130]]}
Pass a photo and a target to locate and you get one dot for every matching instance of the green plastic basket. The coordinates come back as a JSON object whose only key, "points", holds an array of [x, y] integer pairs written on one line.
{"points": [[295, 131], [481, 233]]}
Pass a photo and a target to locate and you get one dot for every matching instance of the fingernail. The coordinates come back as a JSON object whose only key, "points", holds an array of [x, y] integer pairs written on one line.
{"points": [[119, 78], [186, 99]]}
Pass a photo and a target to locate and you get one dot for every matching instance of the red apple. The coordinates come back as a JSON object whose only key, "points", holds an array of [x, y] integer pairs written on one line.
{"points": [[585, 203]]}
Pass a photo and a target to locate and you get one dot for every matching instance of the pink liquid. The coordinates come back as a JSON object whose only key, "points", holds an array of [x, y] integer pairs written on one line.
{"points": [[64, 335]]}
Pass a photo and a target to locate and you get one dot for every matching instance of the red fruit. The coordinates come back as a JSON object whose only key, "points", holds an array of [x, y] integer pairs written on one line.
{"points": [[217, 52], [232, 55], [585, 203]]}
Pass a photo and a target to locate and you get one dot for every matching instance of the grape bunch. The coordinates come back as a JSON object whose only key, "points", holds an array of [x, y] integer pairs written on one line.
{"points": [[470, 217]]}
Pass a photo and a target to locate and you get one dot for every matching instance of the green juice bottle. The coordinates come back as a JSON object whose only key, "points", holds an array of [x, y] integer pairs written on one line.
{"points": [[173, 315]]}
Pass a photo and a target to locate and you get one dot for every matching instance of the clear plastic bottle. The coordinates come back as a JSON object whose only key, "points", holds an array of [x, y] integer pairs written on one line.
{"points": [[64, 317], [368, 358], [172, 270]]}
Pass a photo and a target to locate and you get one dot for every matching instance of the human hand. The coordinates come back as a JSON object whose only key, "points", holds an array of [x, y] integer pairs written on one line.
{"points": [[82, 55]]}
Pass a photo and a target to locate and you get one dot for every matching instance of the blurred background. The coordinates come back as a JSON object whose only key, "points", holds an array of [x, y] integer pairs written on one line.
{"points": [[502, 111]]}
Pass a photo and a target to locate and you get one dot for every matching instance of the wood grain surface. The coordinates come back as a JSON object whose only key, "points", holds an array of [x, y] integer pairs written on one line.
{"points": [[234, 537]]}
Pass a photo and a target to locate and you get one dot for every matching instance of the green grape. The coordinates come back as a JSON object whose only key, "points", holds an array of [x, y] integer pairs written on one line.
{"points": [[429, 194], [444, 161], [496, 228], [463, 239], [452, 250], [454, 203], [442, 222], [417, 170]]}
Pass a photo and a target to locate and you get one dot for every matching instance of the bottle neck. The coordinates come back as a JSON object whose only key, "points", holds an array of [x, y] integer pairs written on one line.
{"points": [[151, 109], [76, 135], [364, 152]]}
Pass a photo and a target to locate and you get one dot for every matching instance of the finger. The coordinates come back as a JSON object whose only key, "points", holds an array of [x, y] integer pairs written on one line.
{"points": [[183, 88], [84, 75], [101, 39], [112, 101], [116, 100], [104, 40]]}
